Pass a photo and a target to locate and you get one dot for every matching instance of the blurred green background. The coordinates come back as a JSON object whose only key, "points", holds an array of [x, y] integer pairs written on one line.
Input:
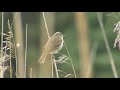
{"points": [[65, 23]]}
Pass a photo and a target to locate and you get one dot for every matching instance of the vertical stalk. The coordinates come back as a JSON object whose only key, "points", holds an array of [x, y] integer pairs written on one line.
{"points": [[46, 69], [70, 60], [20, 67], [26, 50], [83, 39], [10, 51], [99, 16], [1, 72]]}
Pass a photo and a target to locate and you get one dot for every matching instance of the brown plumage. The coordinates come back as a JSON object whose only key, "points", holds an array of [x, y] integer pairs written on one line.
{"points": [[52, 46]]}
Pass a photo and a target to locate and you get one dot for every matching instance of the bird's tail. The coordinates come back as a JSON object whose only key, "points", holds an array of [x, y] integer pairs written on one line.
{"points": [[42, 58]]}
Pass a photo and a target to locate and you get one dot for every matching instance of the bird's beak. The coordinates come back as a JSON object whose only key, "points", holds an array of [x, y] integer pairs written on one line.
{"points": [[63, 35]]}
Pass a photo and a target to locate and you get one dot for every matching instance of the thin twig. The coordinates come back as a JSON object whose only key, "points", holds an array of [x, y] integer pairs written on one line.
{"points": [[46, 25], [93, 52], [10, 49], [92, 58], [70, 60], [107, 46], [15, 56], [13, 20], [47, 35], [52, 68], [56, 70], [26, 49], [1, 75], [20, 50], [2, 33], [57, 75]]}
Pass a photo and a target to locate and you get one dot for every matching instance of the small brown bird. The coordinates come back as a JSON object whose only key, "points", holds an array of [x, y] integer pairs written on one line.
{"points": [[52, 46]]}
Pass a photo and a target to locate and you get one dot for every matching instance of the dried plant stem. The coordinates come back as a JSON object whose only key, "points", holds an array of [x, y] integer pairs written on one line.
{"points": [[93, 53], [10, 50], [46, 25], [56, 70], [84, 44], [107, 45], [26, 50], [2, 34], [52, 68], [10, 60], [15, 46], [10, 28], [92, 58], [1, 72], [70, 60], [55, 65], [14, 19], [20, 66], [15, 56]]}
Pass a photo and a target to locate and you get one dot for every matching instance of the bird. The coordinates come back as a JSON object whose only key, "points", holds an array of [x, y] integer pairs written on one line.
{"points": [[52, 46]]}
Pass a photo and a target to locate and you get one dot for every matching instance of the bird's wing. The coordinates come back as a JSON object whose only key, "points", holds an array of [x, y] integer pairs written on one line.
{"points": [[46, 44], [53, 46]]}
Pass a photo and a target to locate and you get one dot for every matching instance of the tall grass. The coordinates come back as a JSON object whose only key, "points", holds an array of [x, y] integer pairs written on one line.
{"points": [[26, 50], [17, 50], [112, 63], [20, 67], [48, 35], [53, 57], [83, 40], [10, 49], [70, 60], [1, 67]]}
